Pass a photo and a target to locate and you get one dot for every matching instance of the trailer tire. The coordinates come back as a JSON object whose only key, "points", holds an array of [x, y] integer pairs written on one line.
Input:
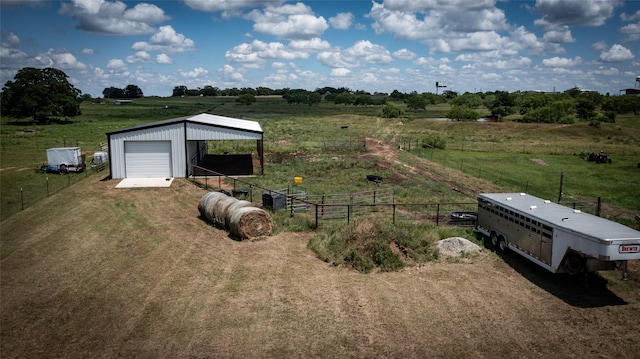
{"points": [[63, 170], [573, 263], [502, 244], [494, 239]]}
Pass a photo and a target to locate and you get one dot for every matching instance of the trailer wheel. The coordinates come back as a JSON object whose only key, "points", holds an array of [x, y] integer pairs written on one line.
{"points": [[494, 239], [502, 244], [63, 170], [573, 263]]}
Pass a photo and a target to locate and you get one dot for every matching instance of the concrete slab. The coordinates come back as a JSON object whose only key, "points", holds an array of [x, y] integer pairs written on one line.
{"points": [[145, 182]]}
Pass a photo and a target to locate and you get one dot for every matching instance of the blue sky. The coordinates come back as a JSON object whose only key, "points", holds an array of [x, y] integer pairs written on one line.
{"points": [[380, 45]]}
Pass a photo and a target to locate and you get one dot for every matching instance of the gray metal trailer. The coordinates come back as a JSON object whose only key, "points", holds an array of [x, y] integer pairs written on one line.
{"points": [[557, 238]]}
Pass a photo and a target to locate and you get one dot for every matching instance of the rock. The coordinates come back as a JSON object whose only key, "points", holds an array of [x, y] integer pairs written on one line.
{"points": [[456, 246]]}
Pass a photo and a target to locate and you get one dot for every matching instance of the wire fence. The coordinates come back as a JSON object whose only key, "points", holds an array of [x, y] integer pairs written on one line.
{"points": [[44, 185], [496, 144], [341, 206]]}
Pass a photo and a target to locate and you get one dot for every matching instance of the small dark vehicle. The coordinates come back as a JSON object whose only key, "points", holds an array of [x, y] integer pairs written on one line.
{"points": [[461, 218]]}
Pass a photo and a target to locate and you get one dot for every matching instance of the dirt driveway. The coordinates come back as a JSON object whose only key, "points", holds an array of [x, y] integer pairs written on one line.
{"points": [[150, 279]]}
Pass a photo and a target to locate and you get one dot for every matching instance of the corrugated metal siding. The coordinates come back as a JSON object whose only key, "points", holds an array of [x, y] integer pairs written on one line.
{"points": [[207, 132], [173, 133]]}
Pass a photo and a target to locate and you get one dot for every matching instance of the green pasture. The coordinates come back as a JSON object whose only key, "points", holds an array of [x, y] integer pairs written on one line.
{"points": [[295, 145]]}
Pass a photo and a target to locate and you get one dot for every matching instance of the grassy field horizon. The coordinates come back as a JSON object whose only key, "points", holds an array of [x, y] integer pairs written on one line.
{"points": [[501, 152]]}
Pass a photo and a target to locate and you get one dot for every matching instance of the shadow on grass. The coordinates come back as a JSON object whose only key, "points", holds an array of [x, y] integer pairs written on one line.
{"points": [[583, 291]]}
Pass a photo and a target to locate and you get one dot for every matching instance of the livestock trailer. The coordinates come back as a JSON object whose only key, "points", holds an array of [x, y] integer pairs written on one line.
{"points": [[555, 237]]}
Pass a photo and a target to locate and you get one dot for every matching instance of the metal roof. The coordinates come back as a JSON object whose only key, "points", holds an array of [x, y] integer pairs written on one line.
{"points": [[204, 119], [563, 217]]}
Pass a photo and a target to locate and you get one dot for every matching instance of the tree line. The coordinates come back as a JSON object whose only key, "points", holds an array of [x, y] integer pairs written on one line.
{"points": [[46, 93]]}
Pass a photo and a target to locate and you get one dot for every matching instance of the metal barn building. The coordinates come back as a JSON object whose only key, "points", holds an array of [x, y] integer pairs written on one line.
{"points": [[168, 148]]}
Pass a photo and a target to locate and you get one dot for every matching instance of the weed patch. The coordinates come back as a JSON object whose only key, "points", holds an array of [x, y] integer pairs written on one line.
{"points": [[367, 245]]}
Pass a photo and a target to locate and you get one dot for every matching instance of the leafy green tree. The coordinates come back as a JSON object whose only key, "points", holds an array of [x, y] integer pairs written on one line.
{"points": [[132, 91], [462, 113], [40, 94], [246, 99], [363, 100], [532, 101], [397, 95], [391, 110], [467, 99], [501, 104], [264, 91], [112, 92], [585, 109], [346, 98], [415, 101], [448, 94], [209, 90], [313, 98], [179, 91]]}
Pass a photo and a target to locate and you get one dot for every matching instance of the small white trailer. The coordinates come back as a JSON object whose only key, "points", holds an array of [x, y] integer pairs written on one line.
{"points": [[557, 238], [64, 160]]}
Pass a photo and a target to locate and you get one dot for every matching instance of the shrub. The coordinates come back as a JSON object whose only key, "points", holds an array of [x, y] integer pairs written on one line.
{"points": [[391, 110], [246, 99], [434, 140], [462, 113], [366, 244]]}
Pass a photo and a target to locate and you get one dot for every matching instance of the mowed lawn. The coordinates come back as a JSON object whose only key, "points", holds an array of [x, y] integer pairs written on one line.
{"points": [[99, 272]]}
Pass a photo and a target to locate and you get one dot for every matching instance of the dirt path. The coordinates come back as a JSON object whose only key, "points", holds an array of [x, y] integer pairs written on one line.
{"points": [[388, 157]]}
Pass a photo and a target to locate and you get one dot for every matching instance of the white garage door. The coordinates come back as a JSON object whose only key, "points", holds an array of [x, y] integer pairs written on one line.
{"points": [[148, 159]]}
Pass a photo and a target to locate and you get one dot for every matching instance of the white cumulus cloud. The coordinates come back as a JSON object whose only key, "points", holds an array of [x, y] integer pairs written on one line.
{"points": [[617, 53], [166, 39], [562, 62], [291, 22], [164, 59], [342, 21], [113, 17]]}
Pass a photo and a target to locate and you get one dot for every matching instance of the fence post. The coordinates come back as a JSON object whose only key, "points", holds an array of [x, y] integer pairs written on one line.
{"points": [[438, 214], [21, 199], [317, 215], [348, 213], [393, 220], [291, 206], [598, 206]]}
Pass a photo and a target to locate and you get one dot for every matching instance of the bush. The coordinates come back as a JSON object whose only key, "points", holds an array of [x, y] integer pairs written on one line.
{"points": [[246, 99], [391, 110], [434, 140], [462, 113], [366, 244]]}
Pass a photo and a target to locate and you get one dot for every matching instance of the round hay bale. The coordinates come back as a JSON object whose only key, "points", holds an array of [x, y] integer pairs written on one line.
{"points": [[220, 209], [250, 222], [210, 209], [202, 205], [233, 208]]}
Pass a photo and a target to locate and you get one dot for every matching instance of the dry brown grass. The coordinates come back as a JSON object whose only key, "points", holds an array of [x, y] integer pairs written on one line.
{"points": [[99, 272]]}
